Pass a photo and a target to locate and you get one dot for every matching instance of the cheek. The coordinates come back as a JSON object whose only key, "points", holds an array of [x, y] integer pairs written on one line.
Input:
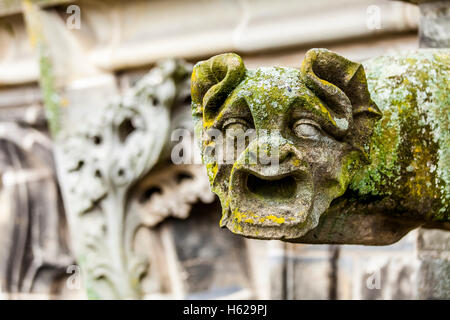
{"points": [[326, 160], [320, 152]]}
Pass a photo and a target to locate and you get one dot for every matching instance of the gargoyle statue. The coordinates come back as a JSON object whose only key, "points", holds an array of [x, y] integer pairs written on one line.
{"points": [[280, 144]]}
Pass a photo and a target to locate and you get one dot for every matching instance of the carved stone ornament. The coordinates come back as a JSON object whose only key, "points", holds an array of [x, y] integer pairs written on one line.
{"points": [[281, 145], [103, 161]]}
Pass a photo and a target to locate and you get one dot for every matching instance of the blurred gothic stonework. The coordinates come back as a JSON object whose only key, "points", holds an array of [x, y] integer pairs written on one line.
{"points": [[91, 205]]}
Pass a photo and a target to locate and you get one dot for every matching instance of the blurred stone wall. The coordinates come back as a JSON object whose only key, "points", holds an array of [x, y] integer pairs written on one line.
{"points": [[192, 257]]}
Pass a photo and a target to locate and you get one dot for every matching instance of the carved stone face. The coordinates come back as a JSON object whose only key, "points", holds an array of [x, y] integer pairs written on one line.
{"points": [[280, 144]]}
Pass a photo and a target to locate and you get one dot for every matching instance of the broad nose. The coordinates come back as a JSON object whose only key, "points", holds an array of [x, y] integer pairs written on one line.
{"points": [[265, 153], [273, 156]]}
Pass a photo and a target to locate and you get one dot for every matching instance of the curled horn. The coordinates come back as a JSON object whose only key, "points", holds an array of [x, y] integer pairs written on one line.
{"points": [[342, 85], [212, 81]]}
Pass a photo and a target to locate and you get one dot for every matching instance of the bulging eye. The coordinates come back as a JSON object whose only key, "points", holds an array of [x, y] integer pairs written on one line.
{"points": [[235, 124], [306, 128]]}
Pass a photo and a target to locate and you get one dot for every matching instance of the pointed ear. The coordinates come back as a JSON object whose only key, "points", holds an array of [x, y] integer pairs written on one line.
{"points": [[212, 81], [342, 84]]}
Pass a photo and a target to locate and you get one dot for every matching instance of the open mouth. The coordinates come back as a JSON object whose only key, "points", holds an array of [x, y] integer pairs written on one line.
{"points": [[283, 188], [268, 206]]}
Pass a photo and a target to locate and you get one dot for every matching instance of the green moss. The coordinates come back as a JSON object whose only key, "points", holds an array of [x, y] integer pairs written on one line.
{"points": [[51, 97]]}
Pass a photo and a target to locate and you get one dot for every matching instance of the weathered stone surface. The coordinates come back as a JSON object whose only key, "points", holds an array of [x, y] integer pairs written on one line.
{"points": [[432, 242], [214, 263], [434, 27], [321, 120], [133, 49]]}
